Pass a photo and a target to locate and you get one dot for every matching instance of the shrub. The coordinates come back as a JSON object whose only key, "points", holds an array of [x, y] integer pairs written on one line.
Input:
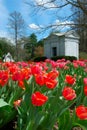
{"points": [[71, 58], [42, 58]]}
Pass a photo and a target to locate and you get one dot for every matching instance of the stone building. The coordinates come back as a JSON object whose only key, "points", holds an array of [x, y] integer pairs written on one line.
{"points": [[61, 44]]}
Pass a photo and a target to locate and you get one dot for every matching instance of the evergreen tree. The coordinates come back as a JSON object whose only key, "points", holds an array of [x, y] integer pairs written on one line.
{"points": [[31, 44]]}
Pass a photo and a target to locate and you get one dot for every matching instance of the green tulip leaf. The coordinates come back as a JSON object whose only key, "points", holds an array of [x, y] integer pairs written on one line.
{"points": [[7, 113], [3, 103]]}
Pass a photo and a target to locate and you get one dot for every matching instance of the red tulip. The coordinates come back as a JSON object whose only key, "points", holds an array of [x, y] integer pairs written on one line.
{"points": [[68, 93], [85, 81], [13, 69], [50, 83], [26, 72], [36, 69], [40, 80], [4, 77], [81, 112], [21, 84], [85, 90], [38, 99], [70, 80], [53, 74], [18, 76]]}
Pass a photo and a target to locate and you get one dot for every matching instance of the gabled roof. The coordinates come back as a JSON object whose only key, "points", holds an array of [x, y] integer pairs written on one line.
{"points": [[69, 34]]}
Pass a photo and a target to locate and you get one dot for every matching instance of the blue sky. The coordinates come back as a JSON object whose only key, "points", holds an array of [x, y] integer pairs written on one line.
{"points": [[32, 21]]}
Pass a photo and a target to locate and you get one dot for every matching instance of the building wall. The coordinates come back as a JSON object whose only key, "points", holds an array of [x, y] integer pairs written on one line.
{"points": [[49, 44], [62, 46], [71, 47], [47, 49], [54, 41], [68, 46]]}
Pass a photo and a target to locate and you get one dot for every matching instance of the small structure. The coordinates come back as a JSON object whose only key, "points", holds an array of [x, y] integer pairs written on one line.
{"points": [[8, 58], [61, 44]]}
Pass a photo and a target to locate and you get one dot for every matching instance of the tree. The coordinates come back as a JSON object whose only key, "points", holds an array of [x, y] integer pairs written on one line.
{"points": [[30, 45], [17, 26], [40, 43], [6, 46], [80, 18], [77, 20], [55, 5], [39, 49]]}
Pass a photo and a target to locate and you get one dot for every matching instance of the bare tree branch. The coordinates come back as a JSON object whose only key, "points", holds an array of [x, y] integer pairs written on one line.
{"points": [[60, 4], [82, 6], [16, 24]]}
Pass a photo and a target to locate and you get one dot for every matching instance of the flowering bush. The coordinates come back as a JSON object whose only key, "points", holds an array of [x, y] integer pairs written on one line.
{"points": [[44, 94]]}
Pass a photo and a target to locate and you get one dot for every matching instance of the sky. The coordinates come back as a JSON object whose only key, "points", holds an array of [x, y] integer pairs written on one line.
{"points": [[42, 18]]}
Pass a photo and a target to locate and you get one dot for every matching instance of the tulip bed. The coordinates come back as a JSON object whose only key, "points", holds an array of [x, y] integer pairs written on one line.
{"points": [[44, 95]]}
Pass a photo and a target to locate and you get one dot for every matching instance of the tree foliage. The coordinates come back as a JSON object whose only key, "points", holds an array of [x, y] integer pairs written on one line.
{"points": [[40, 43], [31, 43], [6, 46]]}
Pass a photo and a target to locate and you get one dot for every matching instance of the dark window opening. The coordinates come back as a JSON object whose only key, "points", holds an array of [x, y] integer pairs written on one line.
{"points": [[54, 51]]}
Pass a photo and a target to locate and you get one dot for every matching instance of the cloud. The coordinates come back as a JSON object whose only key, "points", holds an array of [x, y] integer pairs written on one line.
{"points": [[62, 25], [34, 26], [4, 34], [45, 3], [64, 22], [57, 25]]}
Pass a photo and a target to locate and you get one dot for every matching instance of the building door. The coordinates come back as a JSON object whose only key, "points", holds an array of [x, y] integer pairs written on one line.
{"points": [[54, 51]]}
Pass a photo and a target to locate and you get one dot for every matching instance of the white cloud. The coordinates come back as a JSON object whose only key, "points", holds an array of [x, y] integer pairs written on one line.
{"points": [[63, 24], [57, 25], [34, 26], [4, 34], [45, 3]]}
